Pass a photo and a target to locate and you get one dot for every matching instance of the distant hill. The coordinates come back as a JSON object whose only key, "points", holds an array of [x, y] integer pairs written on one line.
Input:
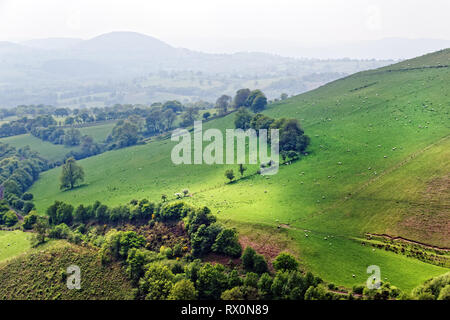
{"points": [[128, 67], [388, 48], [52, 43]]}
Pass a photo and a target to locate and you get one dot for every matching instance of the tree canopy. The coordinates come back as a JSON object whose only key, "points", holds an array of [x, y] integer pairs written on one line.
{"points": [[71, 174]]}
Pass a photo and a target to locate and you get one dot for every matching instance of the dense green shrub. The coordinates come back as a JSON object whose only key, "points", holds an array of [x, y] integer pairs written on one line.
{"points": [[227, 243], [285, 261]]}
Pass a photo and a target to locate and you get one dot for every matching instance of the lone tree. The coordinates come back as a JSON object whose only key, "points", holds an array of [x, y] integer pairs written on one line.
{"points": [[71, 174], [242, 169], [222, 103], [229, 174]]}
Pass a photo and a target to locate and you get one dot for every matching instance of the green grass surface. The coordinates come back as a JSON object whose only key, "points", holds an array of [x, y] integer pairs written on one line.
{"points": [[16, 243], [49, 151], [373, 135], [99, 132], [54, 152], [13, 243]]}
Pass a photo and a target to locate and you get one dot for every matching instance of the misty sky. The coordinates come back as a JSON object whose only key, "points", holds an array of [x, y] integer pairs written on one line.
{"points": [[228, 25]]}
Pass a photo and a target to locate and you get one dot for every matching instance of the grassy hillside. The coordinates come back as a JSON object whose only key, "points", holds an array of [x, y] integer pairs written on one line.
{"points": [[46, 149], [98, 132], [40, 275], [13, 243], [55, 152], [378, 142]]}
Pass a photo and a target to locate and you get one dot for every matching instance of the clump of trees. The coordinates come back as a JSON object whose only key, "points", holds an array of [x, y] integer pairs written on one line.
{"points": [[7, 216], [206, 281], [19, 168], [124, 134], [292, 138], [223, 103], [254, 262], [206, 235], [254, 100], [24, 125], [437, 288]]}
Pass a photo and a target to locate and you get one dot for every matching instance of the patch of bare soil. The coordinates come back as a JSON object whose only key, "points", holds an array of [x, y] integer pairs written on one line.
{"points": [[430, 220], [265, 244], [162, 234], [222, 259]]}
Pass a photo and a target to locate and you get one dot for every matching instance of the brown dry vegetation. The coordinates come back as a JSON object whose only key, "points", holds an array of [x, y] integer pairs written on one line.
{"points": [[431, 217]]}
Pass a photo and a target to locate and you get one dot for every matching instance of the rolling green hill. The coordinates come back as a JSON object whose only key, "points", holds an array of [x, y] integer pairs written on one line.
{"points": [[40, 275], [55, 152], [379, 143], [49, 151]]}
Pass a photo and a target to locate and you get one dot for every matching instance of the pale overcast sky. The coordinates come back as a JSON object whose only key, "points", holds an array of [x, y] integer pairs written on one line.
{"points": [[228, 25]]}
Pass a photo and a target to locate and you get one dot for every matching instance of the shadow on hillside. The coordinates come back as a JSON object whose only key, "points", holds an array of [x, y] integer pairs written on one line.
{"points": [[76, 187]]}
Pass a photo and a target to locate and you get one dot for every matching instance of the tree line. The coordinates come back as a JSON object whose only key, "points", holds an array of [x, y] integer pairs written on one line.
{"points": [[19, 168]]}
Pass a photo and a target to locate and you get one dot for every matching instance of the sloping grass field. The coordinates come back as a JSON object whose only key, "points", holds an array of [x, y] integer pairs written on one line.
{"points": [[55, 152], [13, 243], [99, 132], [16, 243], [379, 146], [49, 151]]}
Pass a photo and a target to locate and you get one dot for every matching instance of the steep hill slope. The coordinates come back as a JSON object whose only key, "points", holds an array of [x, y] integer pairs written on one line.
{"points": [[374, 134]]}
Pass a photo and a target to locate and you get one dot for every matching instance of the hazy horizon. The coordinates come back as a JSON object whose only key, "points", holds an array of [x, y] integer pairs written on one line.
{"points": [[281, 27]]}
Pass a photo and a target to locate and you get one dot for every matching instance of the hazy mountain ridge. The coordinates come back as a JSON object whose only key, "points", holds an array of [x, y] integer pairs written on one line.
{"points": [[388, 48], [128, 67]]}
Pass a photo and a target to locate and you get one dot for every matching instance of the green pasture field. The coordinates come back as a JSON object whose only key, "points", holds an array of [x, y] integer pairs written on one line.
{"points": [[378, 141]]}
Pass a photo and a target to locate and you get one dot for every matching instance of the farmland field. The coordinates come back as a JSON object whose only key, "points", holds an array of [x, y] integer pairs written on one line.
{"points": [[98, 132], [379, 141], [13, 243], [55, 152], [48, 150]]}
